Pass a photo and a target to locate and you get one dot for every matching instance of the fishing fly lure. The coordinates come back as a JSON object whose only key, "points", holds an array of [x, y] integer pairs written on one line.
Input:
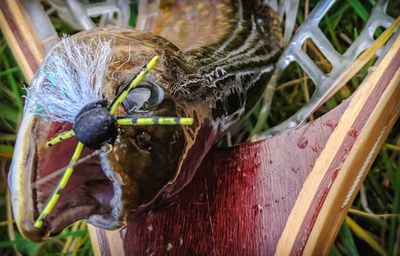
{"points": [[62, 98]]}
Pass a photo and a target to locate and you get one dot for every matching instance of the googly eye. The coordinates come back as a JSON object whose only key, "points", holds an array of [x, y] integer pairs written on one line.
{"points": [[143, 98]]}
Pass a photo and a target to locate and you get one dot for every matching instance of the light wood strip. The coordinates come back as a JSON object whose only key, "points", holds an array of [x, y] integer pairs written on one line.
{"points": [[94, 239], [115, 243]]}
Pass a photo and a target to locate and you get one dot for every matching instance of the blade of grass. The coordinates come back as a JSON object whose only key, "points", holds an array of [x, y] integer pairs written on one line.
{"points": [[336, 16], [79, 240], [392, 147], [396, 202], [332, 34], [394, 178], [6, 151], [334, 251], [9, 113], [359, 9], [7, 137], [71, 241], [3, 45], [348, 240], [14, 86], [372, 216], [374, 185], [9, 71], [364, 235], [10, 225]]}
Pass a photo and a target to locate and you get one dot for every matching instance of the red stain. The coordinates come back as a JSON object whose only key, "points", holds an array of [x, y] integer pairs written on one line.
{"points": [[302, 143], [315, 149], [354, 133], [335, 174], [331, 123]]}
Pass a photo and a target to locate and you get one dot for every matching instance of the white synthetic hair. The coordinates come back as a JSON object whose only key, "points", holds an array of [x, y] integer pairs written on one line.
{"points": [[71, 77]]}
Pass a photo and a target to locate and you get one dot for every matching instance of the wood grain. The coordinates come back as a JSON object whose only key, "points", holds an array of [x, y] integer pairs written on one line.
{"points": [[19, 33]]}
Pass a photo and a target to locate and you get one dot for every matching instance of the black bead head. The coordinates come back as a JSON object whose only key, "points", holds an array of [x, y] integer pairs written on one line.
{"points": [[94, 125]]}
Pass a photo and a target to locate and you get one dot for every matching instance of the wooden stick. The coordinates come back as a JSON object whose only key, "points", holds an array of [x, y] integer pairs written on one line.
{"points": [[19, 33]]}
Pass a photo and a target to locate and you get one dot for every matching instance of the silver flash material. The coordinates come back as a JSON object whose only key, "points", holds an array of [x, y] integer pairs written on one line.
{"points": [[71, 76]]}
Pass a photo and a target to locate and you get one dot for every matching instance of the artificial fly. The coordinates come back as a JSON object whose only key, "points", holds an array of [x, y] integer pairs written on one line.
{"points": [[96, 125]]}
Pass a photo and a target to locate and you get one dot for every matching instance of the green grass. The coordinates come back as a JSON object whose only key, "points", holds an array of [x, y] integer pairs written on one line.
{"points": [[373, 224]]}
